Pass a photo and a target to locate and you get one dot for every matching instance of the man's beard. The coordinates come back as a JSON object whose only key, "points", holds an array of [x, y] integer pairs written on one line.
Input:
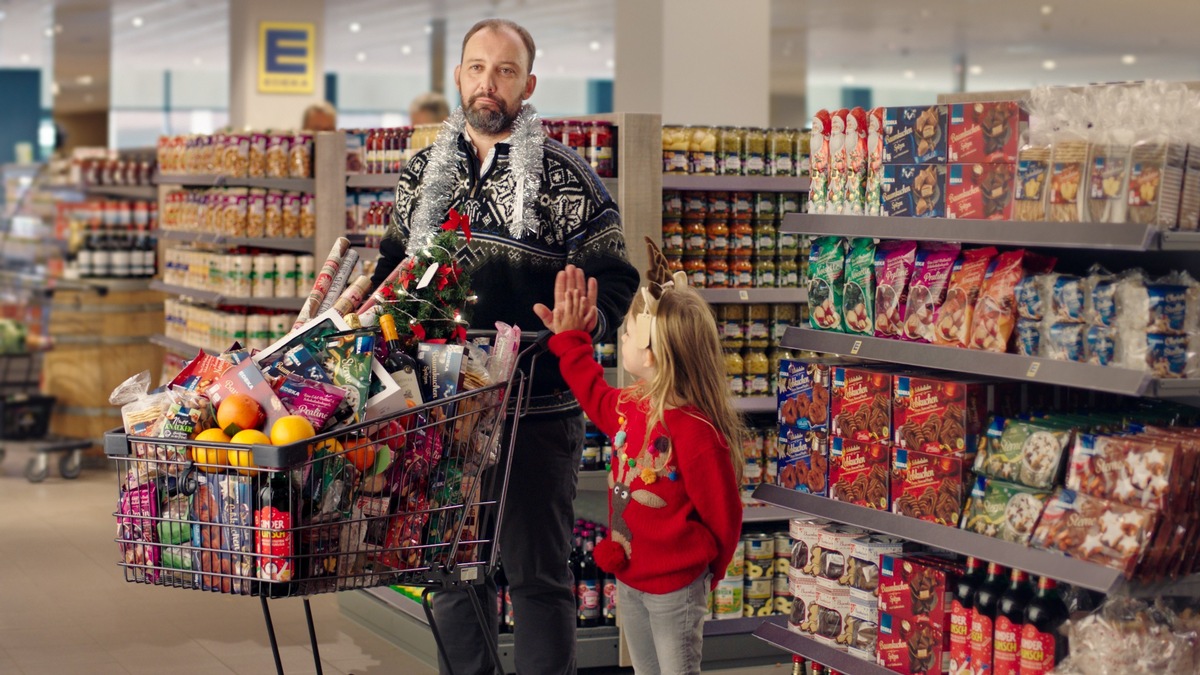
{"points": [[489, 121]]}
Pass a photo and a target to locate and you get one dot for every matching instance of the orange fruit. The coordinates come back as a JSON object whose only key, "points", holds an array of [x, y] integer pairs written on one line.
{"points": [[216, 457], [361, 453], [245, 458], [329, 445], [291, 429], [238, 412]]}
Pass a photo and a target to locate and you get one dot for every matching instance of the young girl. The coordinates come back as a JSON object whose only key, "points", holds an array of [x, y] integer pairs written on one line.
{"points": [[674, 505]]}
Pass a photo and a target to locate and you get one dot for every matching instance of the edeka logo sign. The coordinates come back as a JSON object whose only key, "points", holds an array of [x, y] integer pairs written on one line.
{"points": [[286, 53]]}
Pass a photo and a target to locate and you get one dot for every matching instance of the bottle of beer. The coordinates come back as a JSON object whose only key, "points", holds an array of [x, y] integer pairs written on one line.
{"points": [[960, 614], [588, 586], [983, 617], [1010, 617], [798, 665], [275, 543], [1042, 644], [404, 369], [817, 669]]}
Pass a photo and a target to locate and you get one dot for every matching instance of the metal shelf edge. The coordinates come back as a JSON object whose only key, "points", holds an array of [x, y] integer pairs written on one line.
{"points": [[209, 296], [1034, 561], [174, 346], [745, 625], [1113, 236], [380, 181], [212, 181], [756, 404], [730, 296], [779, 635], [300, 244], [988, 364], [736, 183]]}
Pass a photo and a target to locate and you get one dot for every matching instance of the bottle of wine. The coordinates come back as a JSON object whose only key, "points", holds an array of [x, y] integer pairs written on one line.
{"points": [[960, 614], [403, 368], [1043, 646], [275, 543], [1010, 617], [798, 665], [983, 617], [588, 586]]}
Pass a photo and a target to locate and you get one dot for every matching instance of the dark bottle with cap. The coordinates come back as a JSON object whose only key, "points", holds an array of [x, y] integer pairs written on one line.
{"points": [[983, 618], [1043, 645], [1010, 617]]}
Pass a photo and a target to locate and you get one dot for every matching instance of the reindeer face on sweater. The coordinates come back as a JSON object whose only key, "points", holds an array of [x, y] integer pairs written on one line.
{"points": [[649, 465]]}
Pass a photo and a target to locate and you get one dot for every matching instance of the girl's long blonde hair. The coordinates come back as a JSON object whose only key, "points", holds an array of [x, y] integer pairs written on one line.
{"points": [[689, 367]]}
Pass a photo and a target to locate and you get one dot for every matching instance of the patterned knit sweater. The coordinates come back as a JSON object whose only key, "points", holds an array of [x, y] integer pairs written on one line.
{"points": [[579, 225]]}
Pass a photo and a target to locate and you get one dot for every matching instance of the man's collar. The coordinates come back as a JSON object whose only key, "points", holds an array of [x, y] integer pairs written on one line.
{"points": [[467, 137]]}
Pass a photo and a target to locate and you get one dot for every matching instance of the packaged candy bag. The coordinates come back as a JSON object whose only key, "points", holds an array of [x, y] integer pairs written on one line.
{"points": [[931, 273], [826, 268], [955, 314], [894, 262], [858, 308]]}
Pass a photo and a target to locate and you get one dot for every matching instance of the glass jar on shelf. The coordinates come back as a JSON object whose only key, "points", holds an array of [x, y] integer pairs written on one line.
{"points": [[717, 229], [754, 152], [672, 237], [757, 381], [695, 238], [782, 152], [788, 275], [697, 271], [675, 144], [702, 150], [741, 238], [731, 322], [735, 372], [729, 154], [741, 272], [764, 271], [717, 271], [758, 326]]}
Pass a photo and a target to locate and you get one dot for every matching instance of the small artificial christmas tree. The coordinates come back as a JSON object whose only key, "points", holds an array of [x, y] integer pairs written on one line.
{"points": [[431, 298]]}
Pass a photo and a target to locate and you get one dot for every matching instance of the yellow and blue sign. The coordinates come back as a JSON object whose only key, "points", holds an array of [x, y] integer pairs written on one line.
{"points": [[286, 57]]}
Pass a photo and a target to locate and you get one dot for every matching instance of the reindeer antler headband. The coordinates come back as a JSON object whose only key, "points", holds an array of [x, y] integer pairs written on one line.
{"points": [[659, 280]]}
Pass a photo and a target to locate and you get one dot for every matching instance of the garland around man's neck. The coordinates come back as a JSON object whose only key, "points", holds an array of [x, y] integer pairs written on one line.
{"points": [[441, 171]]}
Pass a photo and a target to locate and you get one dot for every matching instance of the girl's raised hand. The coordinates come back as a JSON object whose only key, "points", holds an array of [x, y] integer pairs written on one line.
{"points": [[571, 281]]}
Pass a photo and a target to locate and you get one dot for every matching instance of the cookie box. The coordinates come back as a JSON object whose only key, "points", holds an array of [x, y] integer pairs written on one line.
{"points": [[861, 635], [861, 404], [914, 135], [803, 461], [939, 415], [911, 586], [1096, 530], [804, 393], [827, 617], [927, 486], [910, 645], [980, 191], [805, 534], [859, 473], [1003, 510], [1027, 452], [804, 598], [984, 131], [863, 572], [914, 190], [834, 545], [1136, 470]]}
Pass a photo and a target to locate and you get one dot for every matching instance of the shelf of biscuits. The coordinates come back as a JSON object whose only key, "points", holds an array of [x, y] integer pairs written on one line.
{"points": [[1044, 563], [775, 632], [1114, 236], [989, 364]]}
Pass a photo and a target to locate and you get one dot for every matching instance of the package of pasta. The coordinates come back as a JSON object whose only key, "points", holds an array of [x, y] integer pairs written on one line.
{"points": [[826, 269], [858, 308], [953, 321], [894, 263], [927, 289]]}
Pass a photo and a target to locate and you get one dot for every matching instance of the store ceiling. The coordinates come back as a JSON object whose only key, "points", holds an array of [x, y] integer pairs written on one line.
{"points": [[902, 44]]}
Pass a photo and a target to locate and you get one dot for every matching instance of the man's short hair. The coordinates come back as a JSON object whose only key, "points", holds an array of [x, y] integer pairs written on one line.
{"points": [[503, 24], [433, 103], [321, 107]]}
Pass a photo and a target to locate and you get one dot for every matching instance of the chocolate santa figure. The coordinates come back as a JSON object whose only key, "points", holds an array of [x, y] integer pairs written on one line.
{"points": [[856, 161], [838, 162], [873, 197], [818, 148]]}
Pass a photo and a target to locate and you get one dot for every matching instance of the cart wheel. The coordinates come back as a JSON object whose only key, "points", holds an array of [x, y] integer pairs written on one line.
{"points": [[37, 469], [70, 465]]}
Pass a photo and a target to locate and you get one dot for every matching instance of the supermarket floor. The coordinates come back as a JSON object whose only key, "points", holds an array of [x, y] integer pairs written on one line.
{"points": [[65, 607]]}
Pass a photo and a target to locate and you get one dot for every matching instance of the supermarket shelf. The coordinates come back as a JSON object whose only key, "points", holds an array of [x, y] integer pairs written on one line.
{"points": [[298, 244], [989, 364], [756, 404], [745, 625], [735, 183], [373, 181], [766, 513], [175, 346], [733, 296], [102, 284], [593, 481], [217, 298], [776, 633], [211, 180], [612, 376], [1042, 563], [147, 192], [1113, 236]]}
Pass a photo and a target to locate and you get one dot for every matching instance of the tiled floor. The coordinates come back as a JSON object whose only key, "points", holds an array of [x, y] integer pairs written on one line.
{"points": [[65, 607]]}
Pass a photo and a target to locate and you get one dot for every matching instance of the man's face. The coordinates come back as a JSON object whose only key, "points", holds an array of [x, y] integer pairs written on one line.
{"points": [[319, 121], [493, 80]]}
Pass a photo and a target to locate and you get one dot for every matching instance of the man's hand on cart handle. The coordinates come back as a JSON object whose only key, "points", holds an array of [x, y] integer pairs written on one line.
{"points": [[571, 279]]}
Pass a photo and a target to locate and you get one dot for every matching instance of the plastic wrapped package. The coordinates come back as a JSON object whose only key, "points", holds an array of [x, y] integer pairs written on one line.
{"points": [[1127, 637]]}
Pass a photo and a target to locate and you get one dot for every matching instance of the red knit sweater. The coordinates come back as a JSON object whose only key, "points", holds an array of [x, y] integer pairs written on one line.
{"points": [[677, 511]]}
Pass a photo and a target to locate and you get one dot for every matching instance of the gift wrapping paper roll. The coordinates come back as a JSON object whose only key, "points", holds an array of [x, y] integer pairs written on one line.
{"points": [[321, 285], [353, 296], [285, 276], [339, 282], [375, 297]]}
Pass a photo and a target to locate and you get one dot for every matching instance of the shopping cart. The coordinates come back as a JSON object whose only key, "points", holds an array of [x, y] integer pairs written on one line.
{"points": [[25, 420], [414, 498]]}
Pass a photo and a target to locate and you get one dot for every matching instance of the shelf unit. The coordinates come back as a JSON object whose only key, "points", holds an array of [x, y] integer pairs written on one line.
{"points": [[177, 347], [202, 295], [372, 181], [756, 404], [736, 183], [144, 192], [776, 633], [300, 245], [214, 181], [734, 296]]}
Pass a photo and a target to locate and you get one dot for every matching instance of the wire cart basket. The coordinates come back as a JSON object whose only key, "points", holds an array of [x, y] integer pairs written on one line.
{"points": [[414, 498]]}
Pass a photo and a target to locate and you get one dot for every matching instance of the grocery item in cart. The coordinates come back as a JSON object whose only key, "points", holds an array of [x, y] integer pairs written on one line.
{"points": [[136, 529], [225, 502]]}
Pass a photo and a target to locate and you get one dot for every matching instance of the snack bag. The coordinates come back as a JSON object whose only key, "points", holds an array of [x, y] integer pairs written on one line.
{"points": [[1096, 530], [954, 316], [931, 272], [858, 308], [1029, 452], [995, 311], [315, 401], [894, 262], [140, 549], [1033, 170], [1003, 510], [348, 358], [826, 269]]}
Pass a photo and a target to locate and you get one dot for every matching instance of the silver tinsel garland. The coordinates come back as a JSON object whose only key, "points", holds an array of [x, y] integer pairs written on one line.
{"points": [[438, 182]]}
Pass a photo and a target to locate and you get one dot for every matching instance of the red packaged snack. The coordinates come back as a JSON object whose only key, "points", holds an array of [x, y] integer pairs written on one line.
{"points": [[980, 191], [984, 131], [1138, 470], [1097, 530], [909, 645], [939, 416], [862, 404], [859, 473], [912, 586], [927, 289], [200, 373], [996, 311], [953, 321], [927, 486], [894, 262]]}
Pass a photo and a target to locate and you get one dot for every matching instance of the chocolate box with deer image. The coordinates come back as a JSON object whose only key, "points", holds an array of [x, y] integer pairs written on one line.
{"points": [[862, 404], [928, 486], [939, 415]]}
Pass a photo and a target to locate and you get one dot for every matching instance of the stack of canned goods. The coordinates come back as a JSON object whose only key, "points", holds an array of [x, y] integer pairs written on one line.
{"points": [[733, 239], [734, 151], [750, 335]]}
